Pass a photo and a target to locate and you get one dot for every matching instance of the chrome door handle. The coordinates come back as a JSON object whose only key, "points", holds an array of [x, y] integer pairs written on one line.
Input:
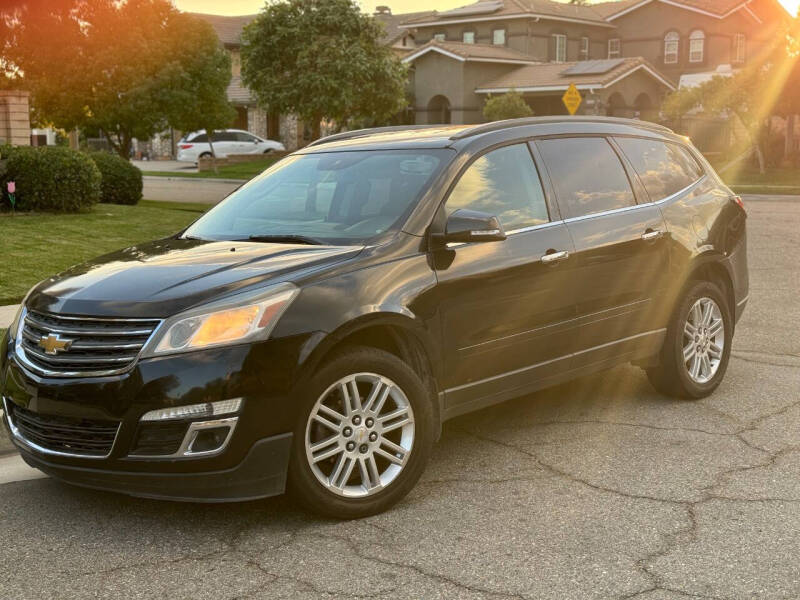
{"points": [[555, 257], [649, 236]]}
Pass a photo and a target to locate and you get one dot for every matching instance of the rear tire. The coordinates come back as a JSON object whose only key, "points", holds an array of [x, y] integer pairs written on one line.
{"points": [[363, 460], [697, 347]]}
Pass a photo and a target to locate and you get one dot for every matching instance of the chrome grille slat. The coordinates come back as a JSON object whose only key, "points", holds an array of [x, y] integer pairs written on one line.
{"points": [[85, 331], [94, 346]]}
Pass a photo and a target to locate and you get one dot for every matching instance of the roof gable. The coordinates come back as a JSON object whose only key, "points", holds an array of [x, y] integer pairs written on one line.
{"points": [[472, 52]]}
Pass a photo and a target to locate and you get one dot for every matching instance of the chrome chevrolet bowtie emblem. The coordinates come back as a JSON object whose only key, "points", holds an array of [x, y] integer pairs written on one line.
{"points": [[53, 344]]}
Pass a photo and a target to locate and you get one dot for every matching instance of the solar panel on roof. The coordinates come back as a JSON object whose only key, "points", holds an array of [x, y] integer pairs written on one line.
{"points": [[473, 9], [593, 67]]}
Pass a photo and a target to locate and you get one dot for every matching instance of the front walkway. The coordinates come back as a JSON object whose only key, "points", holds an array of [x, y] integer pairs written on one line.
{"points": [[7, 314]]}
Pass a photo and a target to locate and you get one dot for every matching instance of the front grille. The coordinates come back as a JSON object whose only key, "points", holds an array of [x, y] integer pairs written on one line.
{"points": [[56, 345], [82, 437]]}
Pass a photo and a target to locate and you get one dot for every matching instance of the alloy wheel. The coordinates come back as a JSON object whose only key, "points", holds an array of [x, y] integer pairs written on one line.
{"points": [[703, 340], [359, 435]]}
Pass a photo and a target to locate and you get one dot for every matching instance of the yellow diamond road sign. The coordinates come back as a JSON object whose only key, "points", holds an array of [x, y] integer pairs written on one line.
{"points": [[572, 99]]}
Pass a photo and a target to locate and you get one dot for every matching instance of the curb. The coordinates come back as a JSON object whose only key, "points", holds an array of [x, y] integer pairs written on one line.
{"points": [[156, 178]]}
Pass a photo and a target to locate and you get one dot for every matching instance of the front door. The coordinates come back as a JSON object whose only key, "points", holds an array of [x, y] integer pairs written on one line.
{"points": [[504, 311], [621, 253]]}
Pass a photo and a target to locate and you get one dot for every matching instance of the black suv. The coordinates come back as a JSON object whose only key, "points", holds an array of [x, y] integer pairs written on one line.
{"points": [[316, 328]]}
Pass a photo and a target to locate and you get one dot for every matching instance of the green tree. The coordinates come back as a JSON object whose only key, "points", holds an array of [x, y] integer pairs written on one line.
{"points": [[322, 60], [126, 68], [769, 85], [510, 105]]}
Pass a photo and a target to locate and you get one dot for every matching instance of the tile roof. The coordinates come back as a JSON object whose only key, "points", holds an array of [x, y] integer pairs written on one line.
{"points": [[487, 9], [551, 75], [480, 52], [238, 93], [599, 13], [392, 24], [228, 29], [716, 7]]}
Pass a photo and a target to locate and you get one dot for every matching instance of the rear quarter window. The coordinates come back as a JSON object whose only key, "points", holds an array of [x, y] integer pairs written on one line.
{"points": [[587, 175], [664, 168]]}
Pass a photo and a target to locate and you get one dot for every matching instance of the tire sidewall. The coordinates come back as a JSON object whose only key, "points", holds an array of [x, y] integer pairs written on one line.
{"points": [[697, 290], [302, 482]]}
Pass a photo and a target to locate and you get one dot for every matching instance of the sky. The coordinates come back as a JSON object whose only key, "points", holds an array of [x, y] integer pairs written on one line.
{"points": [[246, 7]]}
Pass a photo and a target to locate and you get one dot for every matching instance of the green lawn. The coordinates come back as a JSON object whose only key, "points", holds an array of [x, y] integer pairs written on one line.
{"points": [[239, 171], [774, 181], [35, 246]]}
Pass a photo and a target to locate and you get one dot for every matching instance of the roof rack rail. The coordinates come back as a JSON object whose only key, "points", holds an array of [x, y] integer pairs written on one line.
{"points": [[509, 123], [356, 133]]}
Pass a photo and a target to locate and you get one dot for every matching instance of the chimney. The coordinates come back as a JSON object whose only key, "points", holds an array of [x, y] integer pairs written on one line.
{"points": [[382, 11]]}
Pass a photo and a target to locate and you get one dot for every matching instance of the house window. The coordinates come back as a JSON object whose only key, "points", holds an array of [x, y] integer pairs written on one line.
{"points": [[739, 48], [697, 44], [584, 52], [499, 37], [439, 37], [614, 48], [468, 37], [561, 47], [671, 43]]}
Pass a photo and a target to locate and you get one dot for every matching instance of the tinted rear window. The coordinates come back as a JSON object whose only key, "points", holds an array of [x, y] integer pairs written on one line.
{"points": [[663, 167], [587, 175]]}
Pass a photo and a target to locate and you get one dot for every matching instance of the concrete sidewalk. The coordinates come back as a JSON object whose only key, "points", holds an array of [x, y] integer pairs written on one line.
{"points": [[7, 314], [186, 189]]}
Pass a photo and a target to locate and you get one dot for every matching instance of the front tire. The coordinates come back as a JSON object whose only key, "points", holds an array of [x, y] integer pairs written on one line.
{"points": [[697, 347], [363, 435]]}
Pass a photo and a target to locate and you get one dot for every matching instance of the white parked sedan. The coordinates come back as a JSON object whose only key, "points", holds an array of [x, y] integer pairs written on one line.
{"points": [[195, 146]]}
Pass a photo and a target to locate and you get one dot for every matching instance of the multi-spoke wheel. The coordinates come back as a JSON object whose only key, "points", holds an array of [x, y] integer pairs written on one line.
{"points": [[363, 436], [360, 434], [697, 345], [704, 340]]}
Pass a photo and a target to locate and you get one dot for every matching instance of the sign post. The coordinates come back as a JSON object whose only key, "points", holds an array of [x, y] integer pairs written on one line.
{"points": [[572, 99]]}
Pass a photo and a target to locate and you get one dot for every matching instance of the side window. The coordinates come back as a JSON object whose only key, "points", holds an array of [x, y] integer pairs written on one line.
{"points": [[224, 136], [244, 137], [664, 168], [587, 175], [503, 183]]}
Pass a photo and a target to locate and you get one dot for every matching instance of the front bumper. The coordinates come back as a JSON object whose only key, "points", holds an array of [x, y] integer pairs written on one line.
{"points": [[262, 473], [254, 461]]}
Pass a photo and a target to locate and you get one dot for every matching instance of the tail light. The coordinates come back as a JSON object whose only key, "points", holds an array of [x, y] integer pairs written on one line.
{"points": [[739, 202], [185, 146]]}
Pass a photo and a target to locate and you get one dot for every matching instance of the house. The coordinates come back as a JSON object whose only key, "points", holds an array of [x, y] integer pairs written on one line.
{"points": [[623, 56]]}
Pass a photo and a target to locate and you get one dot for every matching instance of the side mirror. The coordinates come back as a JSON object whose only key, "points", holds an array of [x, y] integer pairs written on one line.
{"points": [[472, 226]]}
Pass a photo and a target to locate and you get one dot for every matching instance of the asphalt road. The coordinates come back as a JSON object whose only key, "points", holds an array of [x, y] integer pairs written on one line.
{"points": [[595, 489]]}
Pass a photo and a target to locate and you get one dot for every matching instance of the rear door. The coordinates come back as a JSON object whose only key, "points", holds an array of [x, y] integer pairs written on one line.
{"points": [[504, 311], [621, 256]]}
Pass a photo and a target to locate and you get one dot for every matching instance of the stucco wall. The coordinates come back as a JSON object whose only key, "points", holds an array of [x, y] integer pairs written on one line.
{"points": [[439, 75], [528, 36], [642, 32]]}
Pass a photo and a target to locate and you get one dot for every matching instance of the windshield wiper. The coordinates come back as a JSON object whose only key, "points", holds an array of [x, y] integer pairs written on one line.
{"points": [[286, 238]]}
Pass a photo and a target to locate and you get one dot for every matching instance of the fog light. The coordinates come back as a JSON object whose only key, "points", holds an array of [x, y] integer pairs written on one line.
{"points": [[209, 440], [195, 411]]}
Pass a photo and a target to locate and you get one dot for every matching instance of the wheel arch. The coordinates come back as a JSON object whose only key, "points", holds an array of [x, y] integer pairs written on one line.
{"points": [[712, 267], [395, 333]]}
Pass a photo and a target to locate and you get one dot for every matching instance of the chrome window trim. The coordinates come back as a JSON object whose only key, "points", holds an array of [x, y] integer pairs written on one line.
{"points": [[36, 447], [184, 450], [22, 360]]}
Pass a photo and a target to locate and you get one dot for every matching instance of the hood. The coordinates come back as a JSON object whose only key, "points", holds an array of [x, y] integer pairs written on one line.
{"points": [[165, 277]]}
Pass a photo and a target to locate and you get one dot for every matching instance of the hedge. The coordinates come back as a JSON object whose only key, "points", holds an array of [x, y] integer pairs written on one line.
{"points": [[121, 181], [50, 178]]}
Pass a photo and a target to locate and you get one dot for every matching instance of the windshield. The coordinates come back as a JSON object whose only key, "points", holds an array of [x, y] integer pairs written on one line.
{"points": [[342, 198]]}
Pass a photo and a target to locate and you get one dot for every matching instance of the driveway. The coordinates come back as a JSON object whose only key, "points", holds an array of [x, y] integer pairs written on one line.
{"points": [[165, 166], [595, 489]]}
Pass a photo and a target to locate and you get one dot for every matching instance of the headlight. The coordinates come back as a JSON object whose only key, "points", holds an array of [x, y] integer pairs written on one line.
{"points": [[235, 320]]}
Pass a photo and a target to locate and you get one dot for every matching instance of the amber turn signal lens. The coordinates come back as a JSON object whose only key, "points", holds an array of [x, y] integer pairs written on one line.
{"points": [[226, 326]]}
